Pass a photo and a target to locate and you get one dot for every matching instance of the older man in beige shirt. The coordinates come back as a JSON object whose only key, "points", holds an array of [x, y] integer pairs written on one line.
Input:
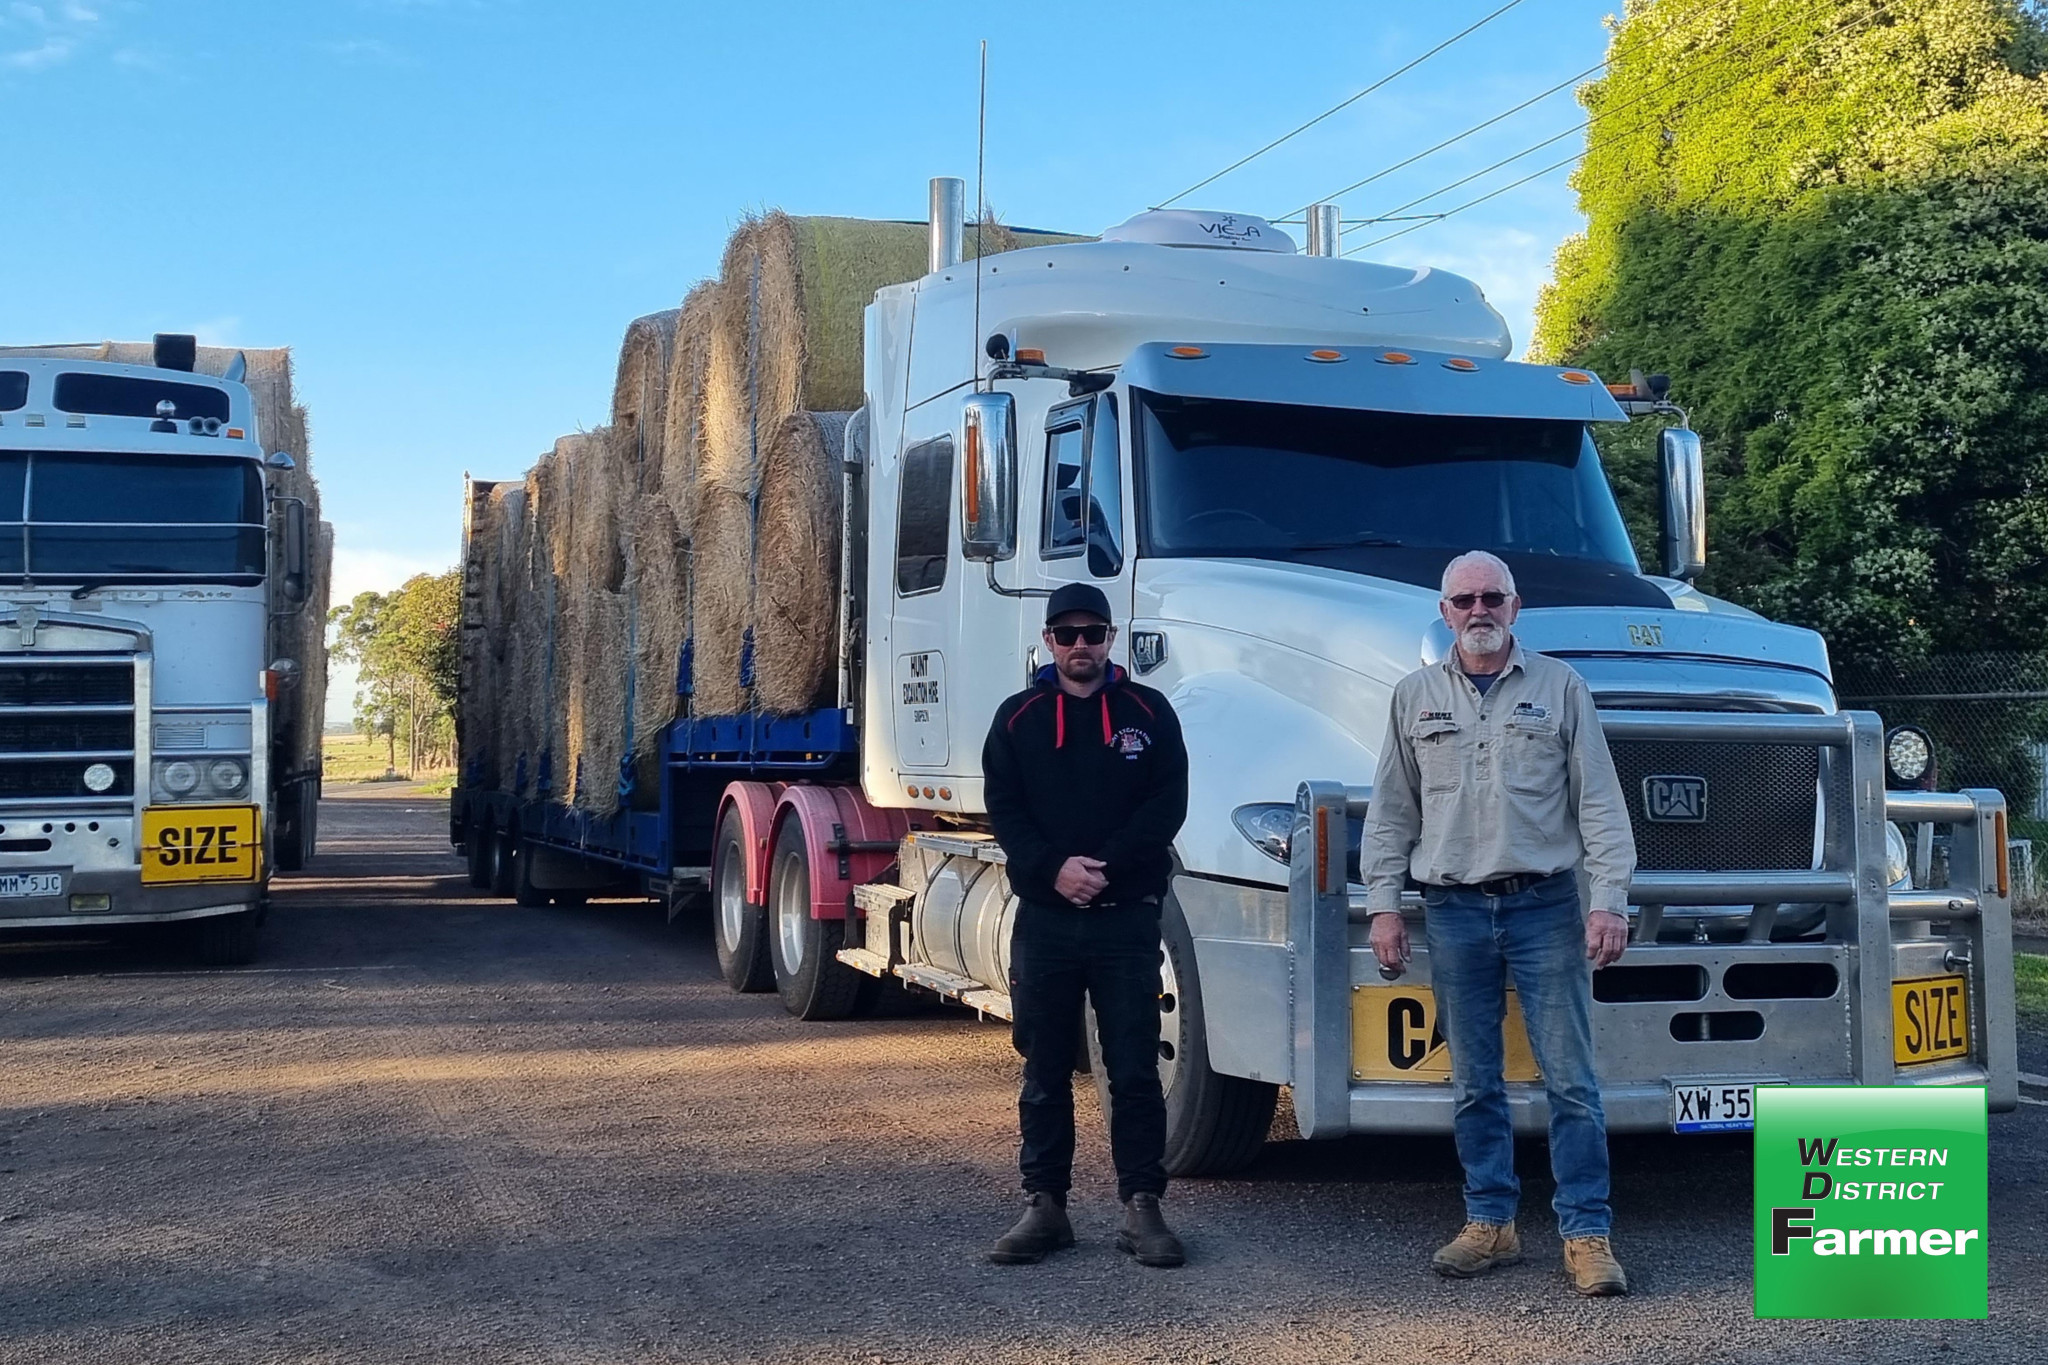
{"points": [[1494, 783]]}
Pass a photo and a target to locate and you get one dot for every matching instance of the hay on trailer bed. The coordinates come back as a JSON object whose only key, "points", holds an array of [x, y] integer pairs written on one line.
{"points": [[796, 589], [721, 591], [682, 443], [660, 611], [640, 390]]}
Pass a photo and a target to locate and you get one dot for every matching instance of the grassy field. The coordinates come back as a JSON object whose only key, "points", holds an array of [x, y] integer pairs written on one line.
{"points": [[356, 758], [2030, 977]]}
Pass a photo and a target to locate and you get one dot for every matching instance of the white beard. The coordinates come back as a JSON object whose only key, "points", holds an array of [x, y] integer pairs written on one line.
{"points": [[1483, 639]]}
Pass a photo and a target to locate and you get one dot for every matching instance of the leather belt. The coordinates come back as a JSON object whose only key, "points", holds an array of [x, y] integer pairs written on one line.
{"points": [[1505, 886]]}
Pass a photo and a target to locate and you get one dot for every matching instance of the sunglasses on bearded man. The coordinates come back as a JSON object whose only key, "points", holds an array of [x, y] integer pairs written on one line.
{"points": [[1464, 600], [1069, 636]]}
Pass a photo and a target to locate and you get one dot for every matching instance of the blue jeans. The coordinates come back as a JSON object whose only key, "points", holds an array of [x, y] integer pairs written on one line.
{"points": [[1536, 937]]}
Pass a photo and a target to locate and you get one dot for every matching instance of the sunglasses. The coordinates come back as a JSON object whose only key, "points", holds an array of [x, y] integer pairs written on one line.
{"points": [[1079, 635], [1464, 600]]}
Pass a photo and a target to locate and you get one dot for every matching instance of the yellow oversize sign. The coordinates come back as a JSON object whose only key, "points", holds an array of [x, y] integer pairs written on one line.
{"points": [[1930, 1019], [200, 844], [1394, 1037]]}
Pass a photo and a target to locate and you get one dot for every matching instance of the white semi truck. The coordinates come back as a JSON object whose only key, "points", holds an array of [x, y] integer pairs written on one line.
{"points": [[1265, 458], [153, 573]]}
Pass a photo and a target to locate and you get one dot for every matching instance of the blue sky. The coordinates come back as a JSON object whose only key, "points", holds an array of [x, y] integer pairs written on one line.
{"points": [[452, 208]]}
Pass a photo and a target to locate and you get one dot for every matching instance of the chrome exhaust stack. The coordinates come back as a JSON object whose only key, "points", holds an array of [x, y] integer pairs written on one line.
{"points": [[948, 222]]}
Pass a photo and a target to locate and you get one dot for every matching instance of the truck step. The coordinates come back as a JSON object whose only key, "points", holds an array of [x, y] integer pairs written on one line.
{"points": [[962, 844], [861, 960], [876, 898], [953, 986]]}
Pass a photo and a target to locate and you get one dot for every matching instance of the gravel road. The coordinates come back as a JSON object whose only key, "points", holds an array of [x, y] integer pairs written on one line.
{"points": [[430, 1126]]}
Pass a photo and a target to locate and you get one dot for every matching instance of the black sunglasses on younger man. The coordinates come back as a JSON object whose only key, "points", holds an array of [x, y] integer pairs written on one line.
{"points": [[1464, 600], [1072, 635]]}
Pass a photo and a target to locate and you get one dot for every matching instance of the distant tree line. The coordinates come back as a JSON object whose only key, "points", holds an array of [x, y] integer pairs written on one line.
{"points": [[404, 646]]}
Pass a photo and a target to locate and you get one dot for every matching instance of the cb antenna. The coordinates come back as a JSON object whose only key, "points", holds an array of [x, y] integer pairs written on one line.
{"points": [[980, 206]]}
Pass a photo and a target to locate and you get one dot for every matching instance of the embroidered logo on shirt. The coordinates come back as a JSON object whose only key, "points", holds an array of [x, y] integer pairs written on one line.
{"points": [[1436, 715], [1130, 742], [1532, 710]]}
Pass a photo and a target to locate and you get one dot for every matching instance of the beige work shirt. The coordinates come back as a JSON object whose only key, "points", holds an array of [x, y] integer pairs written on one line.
{"points": [[1472, 788]]}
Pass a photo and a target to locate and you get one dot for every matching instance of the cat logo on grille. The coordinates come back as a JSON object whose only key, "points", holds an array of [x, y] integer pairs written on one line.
{"points": [[1675, 800]]}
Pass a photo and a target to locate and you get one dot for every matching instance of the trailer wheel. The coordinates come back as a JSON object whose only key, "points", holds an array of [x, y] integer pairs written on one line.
{"points": [[478, 847], [524, 892], [738, 929], [504, 852], [1215, 1124], [814, 983], [226, 940]]}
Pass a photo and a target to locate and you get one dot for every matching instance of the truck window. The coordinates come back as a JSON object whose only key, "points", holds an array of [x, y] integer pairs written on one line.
{"points": [[1066, 483], [924, 522], [121, 395], [1084, 505], [13, 389], [130, 517], [1105, 494]]}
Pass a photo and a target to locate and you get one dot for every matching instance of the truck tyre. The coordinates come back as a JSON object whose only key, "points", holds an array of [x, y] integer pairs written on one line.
{"points": [[814, 983], [1215, 1124], [504, 853], [478, 848], [227, 940], [524, 892], [739, 930]]}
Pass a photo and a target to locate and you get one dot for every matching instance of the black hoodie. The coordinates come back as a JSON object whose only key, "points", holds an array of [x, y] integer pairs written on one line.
{"points": [[1104, 776]]}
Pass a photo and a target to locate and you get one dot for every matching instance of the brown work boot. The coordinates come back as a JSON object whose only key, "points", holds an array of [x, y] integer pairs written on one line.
{"points": [[1478, 1249], [1145, 1234], [1043, 1228], [1594, 1271]]}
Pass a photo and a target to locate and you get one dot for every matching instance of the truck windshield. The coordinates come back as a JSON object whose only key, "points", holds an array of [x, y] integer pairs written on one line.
{"points": [[1236, 479], [73, 517]]}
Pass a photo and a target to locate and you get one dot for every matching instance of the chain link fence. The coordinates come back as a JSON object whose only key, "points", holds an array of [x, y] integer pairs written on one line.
{"points": [[1988, 717]]}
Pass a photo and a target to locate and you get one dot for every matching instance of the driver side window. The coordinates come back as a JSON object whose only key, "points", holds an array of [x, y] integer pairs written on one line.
{"points": [[1083, 487]]}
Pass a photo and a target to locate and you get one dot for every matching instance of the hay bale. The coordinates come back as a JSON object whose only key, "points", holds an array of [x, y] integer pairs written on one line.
{"points": [[595, 719], [660, 601], [721, 593], [797, 541], [640, 391], [683, 414]]}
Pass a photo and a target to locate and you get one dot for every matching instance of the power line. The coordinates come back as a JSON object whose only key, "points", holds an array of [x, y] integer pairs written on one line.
{"points": [[1341, 105], [1427, 219]]}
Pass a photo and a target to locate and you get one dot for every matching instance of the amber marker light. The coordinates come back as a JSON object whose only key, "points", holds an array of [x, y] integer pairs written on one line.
{"points": [[234, 433], [1461, 365], [970, 481], [1326, 357], [1030, 355], [1188, 353], [945, 793], [1576, 377], [1396, 358]]}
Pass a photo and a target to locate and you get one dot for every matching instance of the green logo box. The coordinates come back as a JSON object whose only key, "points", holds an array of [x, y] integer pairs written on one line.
{"points": [[1871, 1202]]}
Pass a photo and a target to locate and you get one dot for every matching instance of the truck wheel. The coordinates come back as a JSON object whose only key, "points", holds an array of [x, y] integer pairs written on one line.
{"points": [[478, 847], [504, 852], [524, 892], [226, 940], [739, 930], [1215, 1124], [814, 983]]}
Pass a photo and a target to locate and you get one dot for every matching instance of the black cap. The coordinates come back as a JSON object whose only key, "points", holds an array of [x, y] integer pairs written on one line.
{"points": [[1077, 597]]}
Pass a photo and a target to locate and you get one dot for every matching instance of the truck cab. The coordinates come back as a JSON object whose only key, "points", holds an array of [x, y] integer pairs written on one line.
{"points": [[146, 562]]}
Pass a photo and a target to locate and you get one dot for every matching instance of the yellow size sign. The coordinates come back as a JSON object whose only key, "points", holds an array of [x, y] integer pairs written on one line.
{"points": [[1394, 1037], [1930, 1019], [200, 844]]}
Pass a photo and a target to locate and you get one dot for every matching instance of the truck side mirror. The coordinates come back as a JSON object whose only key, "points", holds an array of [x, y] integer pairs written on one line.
{"points": [[988, 477], [295, 555], [1682, 489]]}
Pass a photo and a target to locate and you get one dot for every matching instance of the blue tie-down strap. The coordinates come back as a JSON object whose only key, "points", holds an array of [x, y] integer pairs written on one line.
{"points": [[747, 658], [577, 790], [685, 664], [626, 781], [544, 779]]}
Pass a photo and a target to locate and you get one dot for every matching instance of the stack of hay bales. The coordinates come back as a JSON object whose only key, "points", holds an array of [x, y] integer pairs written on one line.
{"points": [[705, 519], [281, 424]]}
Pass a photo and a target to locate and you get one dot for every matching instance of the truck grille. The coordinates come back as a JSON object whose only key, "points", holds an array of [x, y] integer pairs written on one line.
{"points": [[60, 719], [1761, 804]]}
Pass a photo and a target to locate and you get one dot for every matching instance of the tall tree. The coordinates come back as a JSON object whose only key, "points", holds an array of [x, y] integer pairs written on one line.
{"points": [[1828, 220], [404, 646]]}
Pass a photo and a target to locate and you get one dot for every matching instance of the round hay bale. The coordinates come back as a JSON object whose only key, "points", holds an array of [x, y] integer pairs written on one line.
{"points": [[660, 619], [682, 447], [640, 390], [596, 718], [721, 593], [796, 590], [726, 458], [602, 473]]}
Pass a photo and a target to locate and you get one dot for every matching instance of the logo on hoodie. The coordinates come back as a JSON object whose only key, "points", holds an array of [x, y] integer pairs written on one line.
{"points": [[1131, 741]]}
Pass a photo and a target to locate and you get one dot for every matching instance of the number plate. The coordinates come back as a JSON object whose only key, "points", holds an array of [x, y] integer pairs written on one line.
{"points": [[1394, 1037], [200, 844], [25, 885], [1930, 1019], [1724, 1108]]}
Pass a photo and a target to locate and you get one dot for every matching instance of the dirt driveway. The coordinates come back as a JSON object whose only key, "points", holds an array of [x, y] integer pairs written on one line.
{"points": [[434, 1127]]}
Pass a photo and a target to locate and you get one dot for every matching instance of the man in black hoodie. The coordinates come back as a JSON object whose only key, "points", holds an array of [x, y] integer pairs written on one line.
{"points": [[1087, 783]]}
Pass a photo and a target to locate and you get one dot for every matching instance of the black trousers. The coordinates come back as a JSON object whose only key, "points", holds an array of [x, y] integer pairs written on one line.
{"points": [[1058, 954]]}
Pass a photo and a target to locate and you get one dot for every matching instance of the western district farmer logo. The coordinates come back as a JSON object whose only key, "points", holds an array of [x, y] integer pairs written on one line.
{"points": [[1871, 1202]]}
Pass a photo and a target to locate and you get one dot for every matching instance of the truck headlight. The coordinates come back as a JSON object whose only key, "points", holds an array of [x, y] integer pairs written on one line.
{"points": [[179, 777], [226, 776], [1898, 859], [1269, 825], [1908, 757]]}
